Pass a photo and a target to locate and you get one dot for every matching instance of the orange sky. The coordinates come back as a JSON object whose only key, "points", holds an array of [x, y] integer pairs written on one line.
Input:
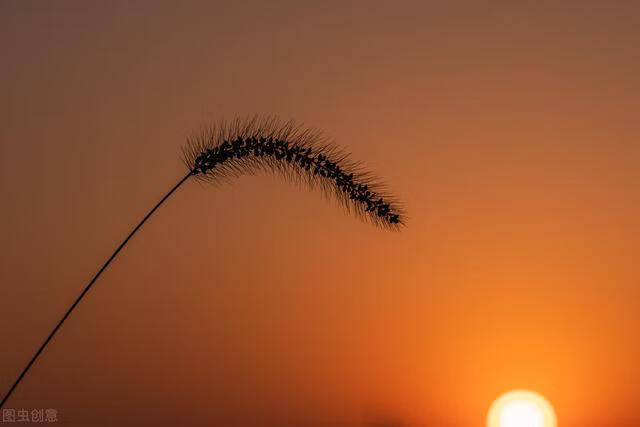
{"points": [[509, 130]]}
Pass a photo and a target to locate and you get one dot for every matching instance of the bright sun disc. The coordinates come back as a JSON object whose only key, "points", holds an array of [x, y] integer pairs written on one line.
{"points": [[521, 408]]}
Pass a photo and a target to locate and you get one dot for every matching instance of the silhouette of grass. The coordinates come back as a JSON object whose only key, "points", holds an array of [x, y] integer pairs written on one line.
{"points": [[244, 146], [301, 155]]}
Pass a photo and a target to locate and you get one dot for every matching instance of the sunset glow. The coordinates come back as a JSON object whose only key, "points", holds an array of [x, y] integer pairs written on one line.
{"points": [[508, 131], [521, 408]]}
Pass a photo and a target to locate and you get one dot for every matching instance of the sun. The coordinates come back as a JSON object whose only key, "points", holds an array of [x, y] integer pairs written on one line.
{"points": [[521, 408]]}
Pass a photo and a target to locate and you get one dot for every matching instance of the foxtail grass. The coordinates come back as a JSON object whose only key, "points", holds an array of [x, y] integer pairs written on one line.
{"points": [[246, 146]]}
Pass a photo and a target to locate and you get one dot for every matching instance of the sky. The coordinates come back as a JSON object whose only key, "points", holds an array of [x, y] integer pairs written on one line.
{"points": [[508, 129]]}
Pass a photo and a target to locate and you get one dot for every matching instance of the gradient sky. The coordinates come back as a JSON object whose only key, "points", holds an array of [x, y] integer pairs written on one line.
{"points": [[510, 129]]}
